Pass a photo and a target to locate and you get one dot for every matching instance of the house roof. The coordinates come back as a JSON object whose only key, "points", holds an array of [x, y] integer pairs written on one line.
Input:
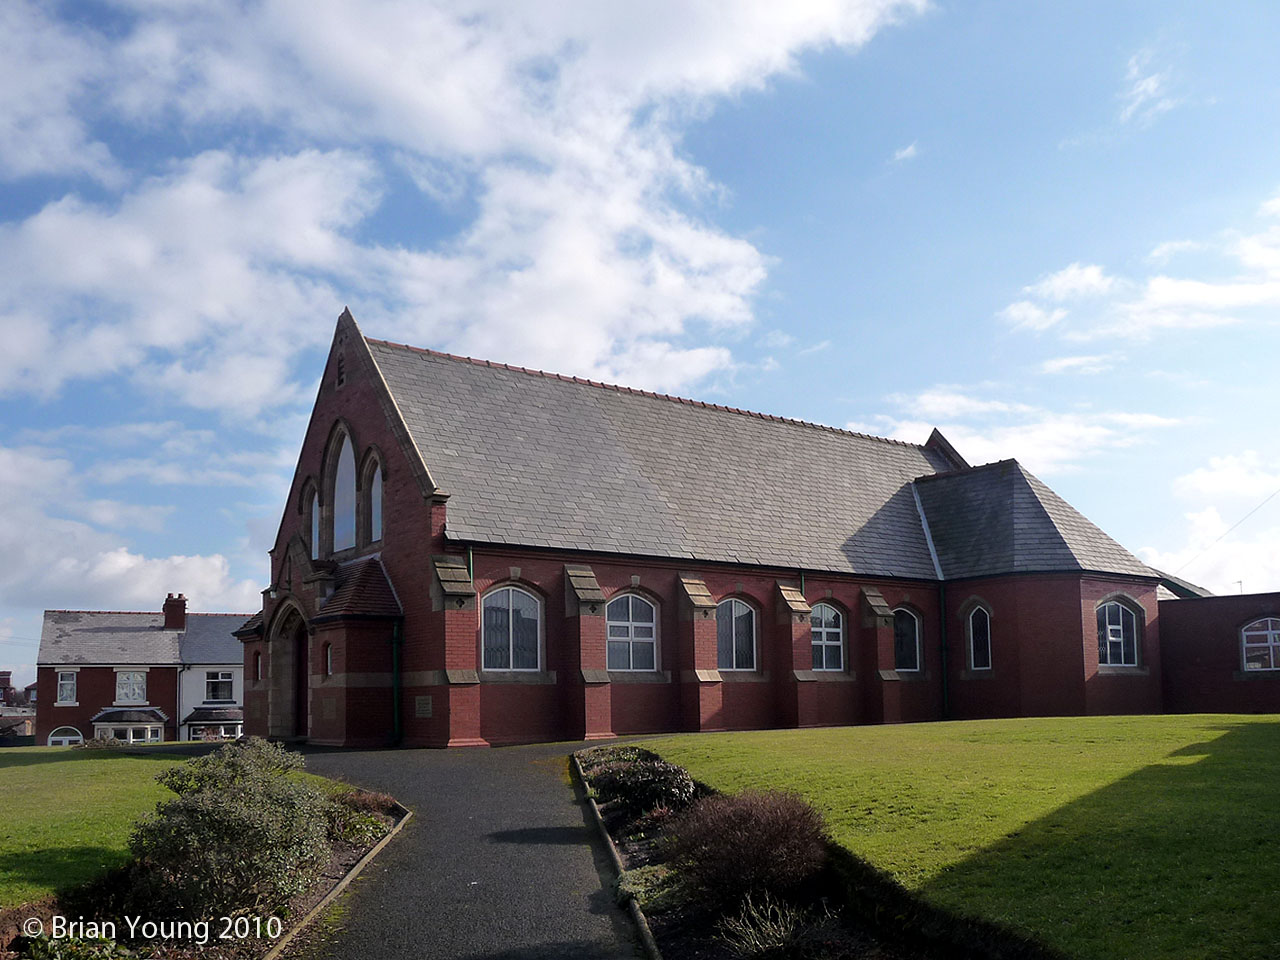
{"points": [[74, 637], [536, 459], [548, 461], [1000, 518], [214, 715], [131, 715], [362, 590]]}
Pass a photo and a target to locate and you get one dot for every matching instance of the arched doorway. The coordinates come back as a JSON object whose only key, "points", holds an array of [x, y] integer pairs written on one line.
{"points": [[288, 710]]}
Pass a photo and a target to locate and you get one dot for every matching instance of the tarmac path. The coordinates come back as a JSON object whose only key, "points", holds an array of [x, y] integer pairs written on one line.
{"points": [[499, 861]]}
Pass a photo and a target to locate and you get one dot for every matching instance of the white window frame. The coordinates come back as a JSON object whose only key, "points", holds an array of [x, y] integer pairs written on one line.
{"points": [[511, 651], [973, 660], [915, 619], [121, 673], [1268, 629], [1115, 634], [627, 633], [66, 741], [220, 676], [821, 637], [75, 686], [134, 732], [755, 636]]}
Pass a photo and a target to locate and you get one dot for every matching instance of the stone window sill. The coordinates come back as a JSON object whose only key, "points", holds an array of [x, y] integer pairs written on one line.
{"points": [[907, 675], [1107, 670], [517, 676]]}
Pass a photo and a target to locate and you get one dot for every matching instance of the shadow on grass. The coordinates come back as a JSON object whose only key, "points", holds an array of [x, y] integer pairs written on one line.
{"points": [[1178, 859], [60, 868]]}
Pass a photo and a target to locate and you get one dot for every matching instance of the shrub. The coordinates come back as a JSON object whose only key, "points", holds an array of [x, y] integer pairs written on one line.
{"points": [[354, 827], [101, 743], [241, 833], [250, 759], [727, 847], [367, 801], [634, 788], [766, 928], [600, 756]]}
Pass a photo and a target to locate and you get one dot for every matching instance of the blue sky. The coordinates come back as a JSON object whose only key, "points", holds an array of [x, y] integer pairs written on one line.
{"points": [[1051, 230]]}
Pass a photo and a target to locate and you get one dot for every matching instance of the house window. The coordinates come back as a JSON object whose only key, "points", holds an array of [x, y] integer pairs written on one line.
{"points": [[131, 686], [979, 639], [1117, 635], [147, 734], [375, 505], [828, 637], [65, 736], [67, 688], [511, 630], [315, 526], [735, 636], [633, 640], [344, 498], [906, 641], [217, 686], [1260, 643]]}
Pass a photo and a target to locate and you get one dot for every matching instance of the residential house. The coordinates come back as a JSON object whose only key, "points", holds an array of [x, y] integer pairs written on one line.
{"points": [[473, 553], [123, 675]]}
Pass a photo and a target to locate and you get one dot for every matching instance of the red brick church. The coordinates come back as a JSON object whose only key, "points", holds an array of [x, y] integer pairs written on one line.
{"points": [[474, 553]]}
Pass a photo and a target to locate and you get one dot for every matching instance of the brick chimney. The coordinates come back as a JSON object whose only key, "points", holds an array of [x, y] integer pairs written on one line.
{"points": [[175, 612]]}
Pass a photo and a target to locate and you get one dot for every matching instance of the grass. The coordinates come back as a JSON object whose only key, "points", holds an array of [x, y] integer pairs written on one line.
{"points": [[66, 815], [1109, 837]]}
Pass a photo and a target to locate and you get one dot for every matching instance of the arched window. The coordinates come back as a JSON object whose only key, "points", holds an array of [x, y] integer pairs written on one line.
{"points": [[1260, 644], [65, 737], [315, 526], [375, 505], [827, 626], [1117, 635], [257, 665], [344, 498], [633, 639], [511, 630], [979, 639], [735, 636], [906, 641]]}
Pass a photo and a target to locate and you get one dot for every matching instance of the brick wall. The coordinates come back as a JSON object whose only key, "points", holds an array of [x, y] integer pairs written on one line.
{"points": [[1201, 647], [95, 692]]}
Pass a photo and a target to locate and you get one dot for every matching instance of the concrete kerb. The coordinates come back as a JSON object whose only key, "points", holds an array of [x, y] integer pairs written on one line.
{"points": [[338, 887], [637, 915]]}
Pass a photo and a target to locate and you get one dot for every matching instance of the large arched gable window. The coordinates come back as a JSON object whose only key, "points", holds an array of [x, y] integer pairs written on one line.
{"points": [[979, 639], [344, 497], [735, 636], [1260, 644], [827, 632], [633, 633], [906, 641], [1119, 632], [511, 630]]}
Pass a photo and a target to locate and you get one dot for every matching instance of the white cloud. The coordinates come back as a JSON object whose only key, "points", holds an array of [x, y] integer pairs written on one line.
{"points": [[558, 123], [985, 429], [1146, 90], [1163, 252], [1079, 364], [1244, 476], [1243, 561], [905, 153], [1073, 282], [1025, 315], [818, 347]]}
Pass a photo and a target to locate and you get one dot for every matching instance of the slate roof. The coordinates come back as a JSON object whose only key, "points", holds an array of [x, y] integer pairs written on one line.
{"points": [[210, 638], [112, 637], [131, 715], [214, 715], [1000, 518], [548, 461], [544, 460], [362, 590]]}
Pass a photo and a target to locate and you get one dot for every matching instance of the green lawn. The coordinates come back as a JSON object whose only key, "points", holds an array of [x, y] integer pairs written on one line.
{"points": [[1111, 837], [66, 815]]}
